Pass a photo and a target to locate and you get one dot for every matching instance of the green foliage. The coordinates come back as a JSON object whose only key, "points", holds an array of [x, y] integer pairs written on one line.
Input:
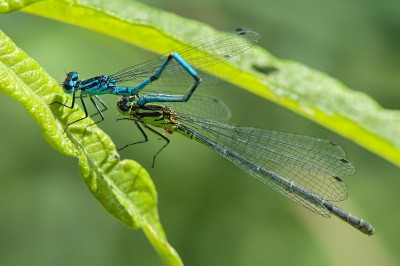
{"points": [[124, 187], [303, 90]]}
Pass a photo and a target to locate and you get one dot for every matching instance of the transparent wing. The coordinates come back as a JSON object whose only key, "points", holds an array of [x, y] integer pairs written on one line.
{"points": [[199, 106], [311, 163], [202, 54]]}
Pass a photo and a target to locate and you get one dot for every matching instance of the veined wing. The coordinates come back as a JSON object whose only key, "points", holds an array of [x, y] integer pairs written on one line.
{"points": [[202, 54], [199, 106], [309, 163]]}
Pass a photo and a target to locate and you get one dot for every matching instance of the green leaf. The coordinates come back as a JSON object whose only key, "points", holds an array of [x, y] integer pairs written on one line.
{"points": [[124, 188], [295, 86]]}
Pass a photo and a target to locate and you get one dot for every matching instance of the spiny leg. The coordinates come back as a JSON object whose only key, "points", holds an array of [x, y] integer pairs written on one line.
{"points": [[84, 108], [146, 138], [105, 107], [99, 112], [72, 104], [141, 130], [160, 135]]}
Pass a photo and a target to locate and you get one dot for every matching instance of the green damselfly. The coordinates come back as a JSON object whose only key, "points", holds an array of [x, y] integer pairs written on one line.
{"points": [[304, 169]]}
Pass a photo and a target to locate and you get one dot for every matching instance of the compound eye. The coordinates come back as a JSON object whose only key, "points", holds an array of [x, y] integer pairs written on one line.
{"points": [[74, 76], [124, 104]]}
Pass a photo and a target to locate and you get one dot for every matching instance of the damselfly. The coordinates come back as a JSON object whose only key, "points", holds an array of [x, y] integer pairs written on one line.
{"points": [[304, 169], [181, 67]]}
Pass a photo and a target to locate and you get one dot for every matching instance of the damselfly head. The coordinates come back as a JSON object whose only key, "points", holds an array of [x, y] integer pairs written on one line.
{"points": [[124, 104], [70, 82]]}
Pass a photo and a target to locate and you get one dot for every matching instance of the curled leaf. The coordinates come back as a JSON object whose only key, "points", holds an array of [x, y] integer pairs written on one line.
{"points": [[124, 187]]}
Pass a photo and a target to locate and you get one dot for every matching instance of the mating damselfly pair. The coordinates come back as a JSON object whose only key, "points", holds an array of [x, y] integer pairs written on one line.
{"points": [[305, 169]]}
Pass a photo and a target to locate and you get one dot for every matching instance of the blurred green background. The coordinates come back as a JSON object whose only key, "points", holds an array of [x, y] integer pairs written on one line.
{"points": [[213, 213]]}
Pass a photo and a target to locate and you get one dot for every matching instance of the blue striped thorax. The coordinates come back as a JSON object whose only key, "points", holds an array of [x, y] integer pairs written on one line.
{"points": [[96, 86]]}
